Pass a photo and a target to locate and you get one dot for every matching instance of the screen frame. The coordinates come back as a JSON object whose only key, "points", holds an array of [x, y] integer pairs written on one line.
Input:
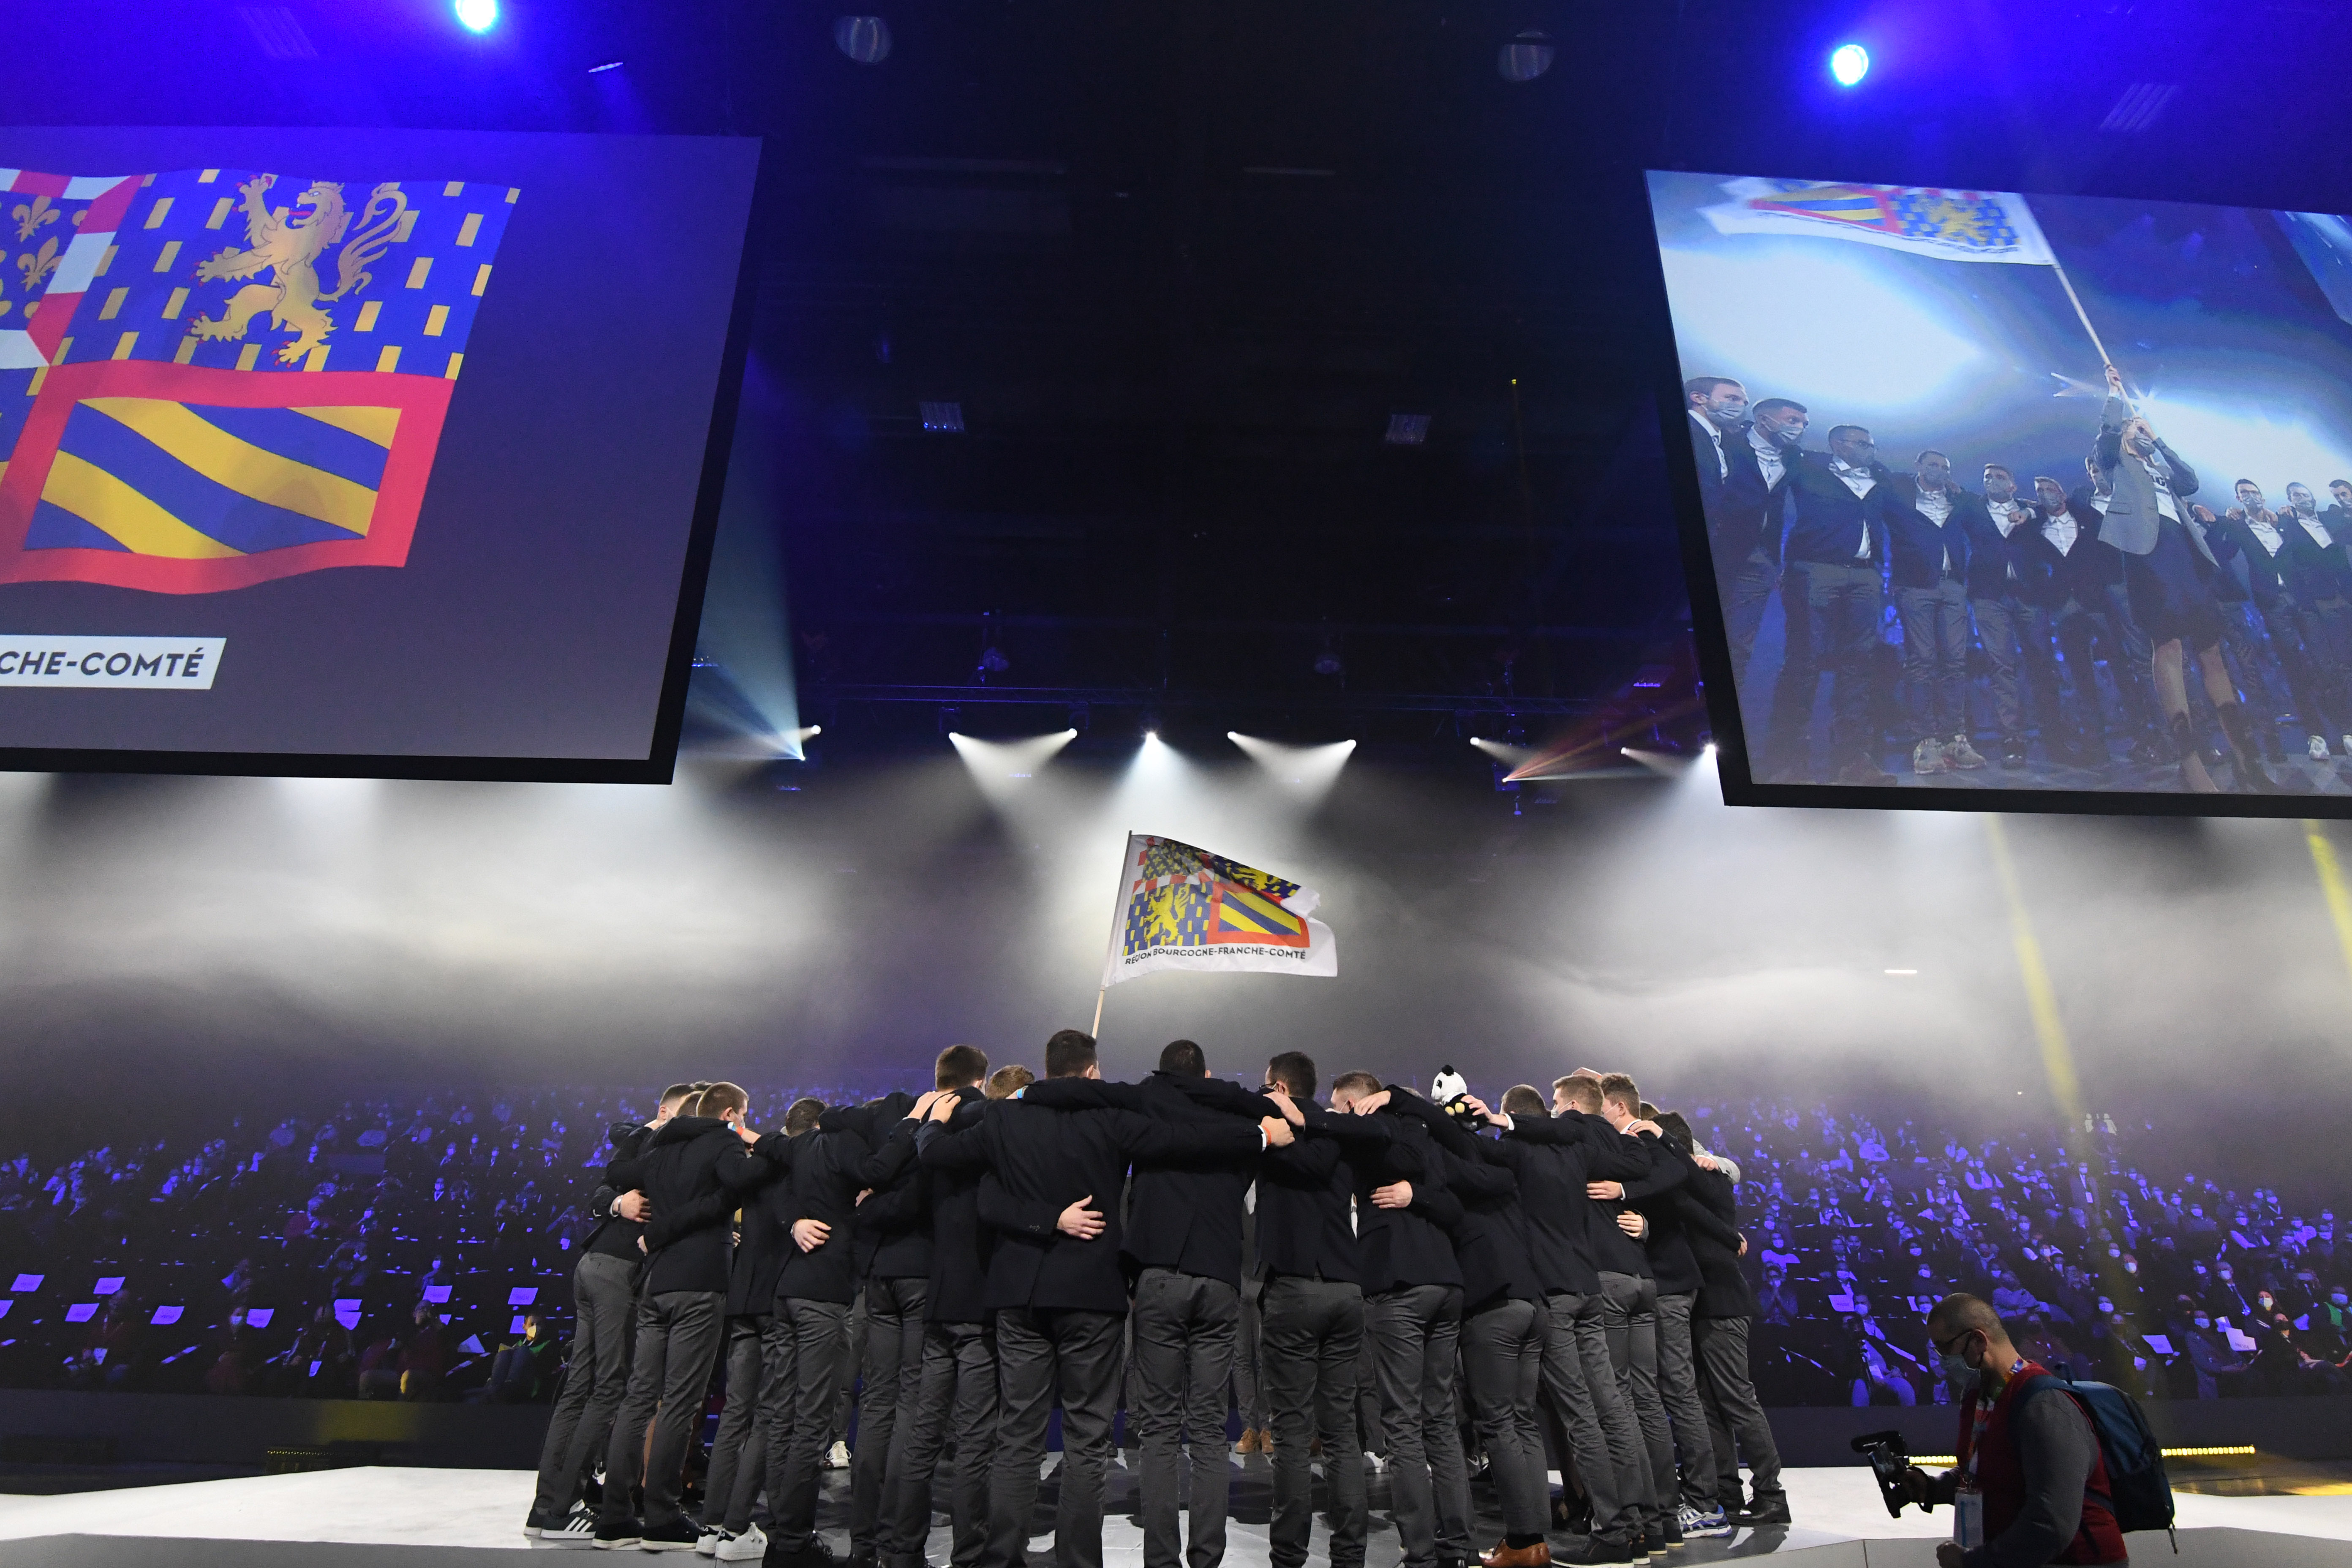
{"points": [[1734, 766], [658, 765]]}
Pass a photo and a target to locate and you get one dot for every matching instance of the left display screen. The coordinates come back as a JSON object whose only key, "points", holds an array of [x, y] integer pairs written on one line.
{"points": [[360, 452]]}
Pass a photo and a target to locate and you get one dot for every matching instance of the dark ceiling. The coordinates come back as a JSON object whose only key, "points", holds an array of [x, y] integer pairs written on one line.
{"points": [[1178, 264]]}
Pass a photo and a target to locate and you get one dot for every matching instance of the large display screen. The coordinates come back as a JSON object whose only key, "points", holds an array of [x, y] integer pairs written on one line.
{"points": [[359, 451], [2049, 496]]}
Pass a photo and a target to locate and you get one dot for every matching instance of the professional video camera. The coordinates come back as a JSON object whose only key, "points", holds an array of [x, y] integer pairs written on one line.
{"points": [[1889, 1459]]}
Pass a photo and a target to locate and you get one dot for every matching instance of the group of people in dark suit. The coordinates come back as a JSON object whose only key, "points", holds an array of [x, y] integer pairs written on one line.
{"points": [[2044, 580], [1552, 1284]]}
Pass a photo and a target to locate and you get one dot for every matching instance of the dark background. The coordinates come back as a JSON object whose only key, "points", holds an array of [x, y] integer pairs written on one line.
{"points": [[533, 618]]}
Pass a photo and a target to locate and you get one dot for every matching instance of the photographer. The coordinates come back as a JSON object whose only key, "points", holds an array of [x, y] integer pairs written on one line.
{"points": [[2031, 1487]]}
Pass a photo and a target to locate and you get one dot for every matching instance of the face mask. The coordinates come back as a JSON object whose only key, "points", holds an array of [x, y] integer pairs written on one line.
{"points": [[1956, 1367]]}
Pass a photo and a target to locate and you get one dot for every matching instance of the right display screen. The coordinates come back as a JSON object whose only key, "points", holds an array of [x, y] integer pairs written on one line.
{"points": [[2046, 496]]}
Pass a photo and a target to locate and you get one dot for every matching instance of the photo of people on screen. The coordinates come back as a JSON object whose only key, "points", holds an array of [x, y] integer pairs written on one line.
{"points": [[2082, 521]]}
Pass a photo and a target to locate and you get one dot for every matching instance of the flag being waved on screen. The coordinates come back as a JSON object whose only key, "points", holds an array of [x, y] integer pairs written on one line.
{"points": [[1182, 908], [212, 378], [1953, 225]]}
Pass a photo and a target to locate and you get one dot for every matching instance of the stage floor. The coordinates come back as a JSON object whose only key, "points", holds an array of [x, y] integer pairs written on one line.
{"points": [[387, 1518]]}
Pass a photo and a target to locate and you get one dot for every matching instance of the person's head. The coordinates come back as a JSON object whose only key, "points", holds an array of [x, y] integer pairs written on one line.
{"points": [[2299, 496], [531, 1327], [2000, 484], [1717, 398], [2249, 495], [672, 1097], [1009, 1081], [1523, 1099], [1852, 444], [1349, 1088], [1782, 421], [1293, 1072], [2139, 436], [1934, 470], [725, 1100], [2342, 491], [1578, 1091], [1184, 1059], [422, 1314], [1620, 1101], [1968, 1336], [2101, 483], [960, 1067], [2049, 493], [1070, 1053], [1677, 1128], [802, 1115]]}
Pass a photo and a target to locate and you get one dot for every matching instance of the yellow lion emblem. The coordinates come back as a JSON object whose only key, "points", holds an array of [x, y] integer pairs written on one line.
{"points": [[287, 246]]}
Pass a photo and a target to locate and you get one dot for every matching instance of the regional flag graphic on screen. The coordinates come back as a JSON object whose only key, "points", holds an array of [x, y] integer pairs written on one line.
{"points": [[215, 377]]}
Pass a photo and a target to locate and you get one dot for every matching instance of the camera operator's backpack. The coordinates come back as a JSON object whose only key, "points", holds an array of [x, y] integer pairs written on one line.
{"points": [[2137, 1489]]}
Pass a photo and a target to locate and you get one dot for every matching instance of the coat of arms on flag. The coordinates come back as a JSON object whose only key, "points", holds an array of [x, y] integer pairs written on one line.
{"points": [[212, 378], [1182, 908], [1954, 226]]}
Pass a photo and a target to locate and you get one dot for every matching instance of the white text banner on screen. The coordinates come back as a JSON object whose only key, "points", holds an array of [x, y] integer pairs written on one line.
{"points": [[141, 664]]}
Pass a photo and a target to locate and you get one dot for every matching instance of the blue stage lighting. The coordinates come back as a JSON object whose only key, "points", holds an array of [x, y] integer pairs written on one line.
{"points": [[1849, 63], [478, 15]]}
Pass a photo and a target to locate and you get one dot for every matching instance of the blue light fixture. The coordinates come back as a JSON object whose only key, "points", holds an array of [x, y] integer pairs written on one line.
{"points": [[477, 16], [1849, 63]]}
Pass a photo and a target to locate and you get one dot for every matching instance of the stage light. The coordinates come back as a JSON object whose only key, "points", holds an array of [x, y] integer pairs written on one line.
{"points": [[607, 66], [477, 16], [1849, 63], [865, 39], [1308, 771]]}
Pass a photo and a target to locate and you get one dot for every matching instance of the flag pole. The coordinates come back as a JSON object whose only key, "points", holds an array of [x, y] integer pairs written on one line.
{"points": [[1118, 912], [2076, 301]]}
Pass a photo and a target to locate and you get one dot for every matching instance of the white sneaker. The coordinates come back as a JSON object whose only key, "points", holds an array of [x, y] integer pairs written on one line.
{"points": [[748, 1547], [2347, 745], [1374, 1465], [707, 1544], [837, 1457], [1958, 753], [2317, 747], [1927, 757]]}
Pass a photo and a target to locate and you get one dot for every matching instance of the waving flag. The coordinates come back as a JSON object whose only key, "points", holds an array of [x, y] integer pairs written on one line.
{"points": [[1182, 908], [213, 378], [1954, 226]]}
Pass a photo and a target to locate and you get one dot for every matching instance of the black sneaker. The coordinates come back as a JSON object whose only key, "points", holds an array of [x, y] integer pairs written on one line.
{"points": [[577, 1527], [611, 1534], [817, 1553], [1768, 1509], [1597, 1551], [677, 1535], [535, 1521]]}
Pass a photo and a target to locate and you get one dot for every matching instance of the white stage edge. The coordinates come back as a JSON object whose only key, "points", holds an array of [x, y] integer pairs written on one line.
{"points": [[397, 1518]]}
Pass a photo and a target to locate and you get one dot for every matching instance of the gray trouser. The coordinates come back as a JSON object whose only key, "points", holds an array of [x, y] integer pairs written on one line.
{"points": [[1249, 1363], [596, 1374], [889, 1373], [1936, 655], [2015, 636], [2138, 693], [1039, 1354], [1734, 1412], [1416, 1330], [1678, 1391], [1629, 1312], [1502, 1350], [1314, 1334], [677, 1344], [738, 1452], [955, 1395], [1746, 588], [1602, 1437], [1369, 1423], [845, 1355], [1184, 1329], [808, 1342], [1832, 611]]}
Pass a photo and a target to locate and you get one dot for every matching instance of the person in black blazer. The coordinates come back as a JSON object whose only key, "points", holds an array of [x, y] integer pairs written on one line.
{"points": [[2081, 582], [956, 1391], [2006, 587], [2260, 551], [1056, 1286], [1314, 1308], [1183, 1246], [1668, 1245], [1929, 522], [1555, 1157], [1832, 595], [1720, 1331], [685, 1170], [738, 1449], [817, 1204], [1502, 1327], [2323, 577], [604, 1301], [1413, 1309]]}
